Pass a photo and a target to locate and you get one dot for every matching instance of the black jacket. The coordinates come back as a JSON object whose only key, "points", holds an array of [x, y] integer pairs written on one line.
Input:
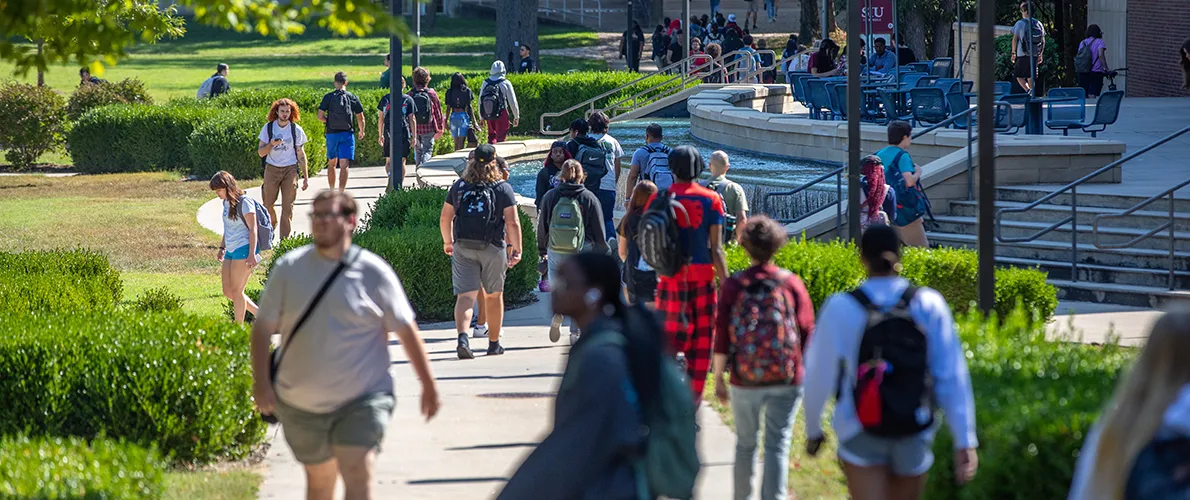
{"points": [[545, 182], [592, 216]]}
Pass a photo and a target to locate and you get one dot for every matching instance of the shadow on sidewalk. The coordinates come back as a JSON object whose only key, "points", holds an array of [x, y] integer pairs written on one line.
{"points": [[460, 480], [492, 446], [500, 377]]}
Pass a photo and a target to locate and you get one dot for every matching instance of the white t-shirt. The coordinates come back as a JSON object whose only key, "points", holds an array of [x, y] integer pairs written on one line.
{"points": [[285, 154], [613, 152], [342, 352], [235, 231]]}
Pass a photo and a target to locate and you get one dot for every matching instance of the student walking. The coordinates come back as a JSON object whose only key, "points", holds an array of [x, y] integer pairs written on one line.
{"points": [[396, 180], [714, 72], [547, 177], [651, 161], [281, 148], [329, 385], [598, 156], [1125, 454], [640, 280], [765, 318], [1028, 45], [239, 250], [427, 108], [735, 202], [462, 114], [498, 105], [607, 179], [527, 65], [569, 220], [216, 85], [1090, 61], [481, 232], [903, 176], [336, 111], [876, 198], [896, 350]]}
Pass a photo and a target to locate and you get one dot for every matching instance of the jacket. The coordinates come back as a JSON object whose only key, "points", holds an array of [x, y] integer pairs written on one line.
{"points": [[498, 76], [545, 182], [592, 216]]}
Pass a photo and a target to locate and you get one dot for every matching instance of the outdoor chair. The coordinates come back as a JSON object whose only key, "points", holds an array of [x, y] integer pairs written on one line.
{"points": [[837, 94], [911, 78], [928, 105], [945, 83], [943, 67], [798, 86], [893, 111], [817, 99], [922, 66], [1107, 110], [1018, 115], [968, 85], [958, 103], [1003, 88], [1066, 115], [926, 81], [1004, 118]]}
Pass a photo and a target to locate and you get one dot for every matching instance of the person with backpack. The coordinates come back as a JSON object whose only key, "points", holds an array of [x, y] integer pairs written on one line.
{"points": [[714, 35], [903, 176], [547, 177], [1139, 447], [651, 161], [427, 109], [216, 85], [497, 104], [764, 321], [889, 353], [568, 220], [240, 248], [85, 78], [591, 153], [617, 381], [481, 232], [396, 180], [607, 181], [876, 198], [735, 202], [1090, 62], [336, 111], [282, 151], [640, 280], [1028, 44], [462, 113], [714, 72], [660, 47]]}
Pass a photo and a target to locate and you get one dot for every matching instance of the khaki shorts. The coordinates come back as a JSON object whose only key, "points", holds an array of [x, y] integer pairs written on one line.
{"points": [[360, 423], [753, 5], [476, 263]]}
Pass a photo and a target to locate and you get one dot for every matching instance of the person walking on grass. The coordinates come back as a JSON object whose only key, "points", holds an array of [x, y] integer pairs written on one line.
{"points": [[216, 85], [606, 183], [462, 114], [904, 177], [765, 319], [888, 339], [396, 180], [651, 161], [498, 104], [239, 250], [568, 220], [735, 202], [481, 232], [281, 146], [1137, 448], [336, 111], [640, 280], [427, 108], [331, 388]]}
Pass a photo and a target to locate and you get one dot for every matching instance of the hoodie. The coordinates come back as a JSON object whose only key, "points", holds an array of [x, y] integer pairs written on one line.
{"points": [[547, 177], [498, 78], [592, 216]]}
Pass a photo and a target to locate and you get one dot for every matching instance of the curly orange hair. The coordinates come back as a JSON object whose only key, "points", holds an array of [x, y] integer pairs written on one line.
{"points": [[294, 114]]}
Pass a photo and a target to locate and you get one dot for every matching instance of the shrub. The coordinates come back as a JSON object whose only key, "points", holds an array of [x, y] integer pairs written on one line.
{"points": [[31, 122], [59, 280], [177, 381], [390, 210], [229, 308], [88, 97], [228, 142], [59, 468], [158, 300], [136, 138]]}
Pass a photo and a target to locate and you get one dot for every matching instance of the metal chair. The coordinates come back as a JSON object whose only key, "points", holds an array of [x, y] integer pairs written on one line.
{"points": [[1107, 110], [912, 77], [893, 111], [922, 66], [1004, 121], [817, 99], [968, 86], [945, 83], [928, 105], [798, 85], [1018, 115], [943, 67], [958, 103], [1003, 88], [926, 81], [837, 93], [1066, 116]]}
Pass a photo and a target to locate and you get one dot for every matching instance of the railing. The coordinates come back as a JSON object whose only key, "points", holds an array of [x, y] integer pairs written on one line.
{"points": [[1169, 225], [570, 11], [1073, 218]]}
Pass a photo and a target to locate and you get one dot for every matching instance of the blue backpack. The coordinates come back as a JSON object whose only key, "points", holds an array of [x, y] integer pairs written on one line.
{"points": [[912, 202], [264, 223]]}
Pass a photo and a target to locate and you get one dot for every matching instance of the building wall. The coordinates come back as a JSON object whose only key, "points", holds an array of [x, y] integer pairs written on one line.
{"points": [[1155, 32], [970, 47]]}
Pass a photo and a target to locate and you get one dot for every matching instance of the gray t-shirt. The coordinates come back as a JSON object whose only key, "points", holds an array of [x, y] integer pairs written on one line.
{"points": [[1021, 30], [342, 352]]}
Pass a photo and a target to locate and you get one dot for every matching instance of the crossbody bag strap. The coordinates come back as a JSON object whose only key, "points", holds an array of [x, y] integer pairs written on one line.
{"points": [[326, 285]]}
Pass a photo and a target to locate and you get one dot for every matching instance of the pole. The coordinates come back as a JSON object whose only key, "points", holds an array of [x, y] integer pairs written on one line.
{"points": [[1032, 56], [686, 36], [630, 41], [825, 34], [896, 41], [417, 6], [987, 160], [959, 50], [854, 23], [396, 124]]}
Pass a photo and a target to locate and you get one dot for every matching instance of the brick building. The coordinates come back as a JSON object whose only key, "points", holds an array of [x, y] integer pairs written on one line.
{"points": [[1144, 36]]}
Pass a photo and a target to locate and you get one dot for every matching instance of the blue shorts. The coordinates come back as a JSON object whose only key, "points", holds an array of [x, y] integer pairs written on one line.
{"points": [[459, 124], [340, 145], [906, 457], [237, 254]]}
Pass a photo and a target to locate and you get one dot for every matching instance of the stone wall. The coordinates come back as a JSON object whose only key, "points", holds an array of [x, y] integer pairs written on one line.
{"points": [[970, 47]]}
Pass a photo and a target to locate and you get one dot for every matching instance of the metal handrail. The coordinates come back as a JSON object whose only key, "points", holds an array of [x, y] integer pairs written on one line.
{"points": [[686, 76], [1170, 225], [1073, 218]]}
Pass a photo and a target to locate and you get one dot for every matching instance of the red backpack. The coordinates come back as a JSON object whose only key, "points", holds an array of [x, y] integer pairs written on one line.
{"points": [[766, 343]]}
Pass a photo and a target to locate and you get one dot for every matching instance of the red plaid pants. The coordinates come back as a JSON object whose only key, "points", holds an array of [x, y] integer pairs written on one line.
{"points": [[689, 319]]}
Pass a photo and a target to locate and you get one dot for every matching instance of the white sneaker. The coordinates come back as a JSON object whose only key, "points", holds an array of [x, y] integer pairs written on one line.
{"points": [[480, 332], [556, 328], [573, 338]]}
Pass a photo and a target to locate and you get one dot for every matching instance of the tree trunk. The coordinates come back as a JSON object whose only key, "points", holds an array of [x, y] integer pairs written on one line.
{"points": [[943, 30], [809, 29], [40, 73], [516, 24], [831, 15], [427, 21], [914, 31]]}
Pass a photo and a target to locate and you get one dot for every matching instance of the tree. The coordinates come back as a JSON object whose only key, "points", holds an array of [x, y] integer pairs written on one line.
{"points": [[809, 28], [943, 29], [516, 24]]}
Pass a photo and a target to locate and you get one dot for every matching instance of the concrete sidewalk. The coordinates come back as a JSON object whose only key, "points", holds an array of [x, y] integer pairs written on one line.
{"points": [[494, 411]]}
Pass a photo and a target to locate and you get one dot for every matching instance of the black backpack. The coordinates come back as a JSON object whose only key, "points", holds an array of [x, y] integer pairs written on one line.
{"points": [[476, 212], [423, 105], [658, 236], [338, 113], [491, 100], [458, 99], [1084, 59], [594, 162], [1161, 470], [893, 390]]}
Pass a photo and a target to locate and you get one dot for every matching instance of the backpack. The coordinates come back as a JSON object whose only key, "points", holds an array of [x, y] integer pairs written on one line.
{"points": [[491, 100], [657, 166], [893, 390], [204, 90], [338, 113], [1037, 37], [292, 133], [1084, 59], [458, 99], [766, 345], [423, 106], [659, 237], [566, 226], [264, 224], [476, 212], [1161, 470], [729, 219], [594, 161], [912, 202]]}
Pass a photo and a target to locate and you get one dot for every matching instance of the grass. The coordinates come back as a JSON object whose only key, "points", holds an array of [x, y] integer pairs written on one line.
{"points": [[809, 477], [212, 485]]}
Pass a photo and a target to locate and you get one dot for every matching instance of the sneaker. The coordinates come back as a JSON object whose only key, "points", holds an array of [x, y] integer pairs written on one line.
{"points": [[480, 331], [495, 349], [556, 328], [464, 348], [543, 286], [574, 338]]}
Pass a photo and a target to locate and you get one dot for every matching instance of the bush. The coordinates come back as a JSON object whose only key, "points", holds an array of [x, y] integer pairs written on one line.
{"points": [[180, 382], [158, 300], [31, 122], [57, 468], [391, 210], [229, 308], [136, 138], [88, 97], [59, 280]]}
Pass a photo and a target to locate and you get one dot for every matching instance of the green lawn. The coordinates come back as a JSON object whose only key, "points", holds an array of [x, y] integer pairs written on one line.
{"points": [[212, 485]]}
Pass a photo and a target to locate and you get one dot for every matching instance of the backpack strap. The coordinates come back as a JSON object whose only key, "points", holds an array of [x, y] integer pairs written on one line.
{"points": [[863, 300], [906, 297], [895, 163]]}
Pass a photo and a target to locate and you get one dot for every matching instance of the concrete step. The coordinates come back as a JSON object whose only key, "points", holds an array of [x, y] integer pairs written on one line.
{"points": [[1181, 203], [1143, 219], [1107, 235], [1061, 252], [1128, 295], [1155, 278]]}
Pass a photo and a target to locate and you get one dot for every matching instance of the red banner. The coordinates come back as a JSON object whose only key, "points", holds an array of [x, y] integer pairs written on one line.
{"points": [[880, 13]]}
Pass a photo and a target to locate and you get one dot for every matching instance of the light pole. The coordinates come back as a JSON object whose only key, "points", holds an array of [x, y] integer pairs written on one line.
{"points": [[396, 124], [417, 6], [854, 21], [987, 147]]}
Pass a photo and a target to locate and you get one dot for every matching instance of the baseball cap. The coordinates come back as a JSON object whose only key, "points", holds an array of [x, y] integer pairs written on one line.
{"points": [[731, 18], [485, 153]]}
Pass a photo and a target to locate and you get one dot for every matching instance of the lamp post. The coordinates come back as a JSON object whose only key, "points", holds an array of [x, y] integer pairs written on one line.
{"points": [[417, 6], [987, 147], [396, 124], [854, 21]]}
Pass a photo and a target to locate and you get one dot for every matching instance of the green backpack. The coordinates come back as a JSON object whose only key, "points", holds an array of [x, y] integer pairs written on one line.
{"points": [[566, 226]]}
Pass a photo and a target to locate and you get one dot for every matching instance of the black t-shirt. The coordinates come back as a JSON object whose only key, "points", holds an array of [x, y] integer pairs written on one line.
{"points": [[502, 196], [406, 112], [332, 99], [463, 96], [527, 65]]}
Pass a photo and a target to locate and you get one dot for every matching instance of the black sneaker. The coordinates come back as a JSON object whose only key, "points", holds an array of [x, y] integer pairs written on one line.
{"points": [[465, 347], [495, 349]]}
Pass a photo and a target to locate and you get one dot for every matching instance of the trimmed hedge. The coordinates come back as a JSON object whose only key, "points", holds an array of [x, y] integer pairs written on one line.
{"points": [[31, 122], [57, 468], [228, 142], [136, 138], [180, 382], [88, 97], [62, 280]]}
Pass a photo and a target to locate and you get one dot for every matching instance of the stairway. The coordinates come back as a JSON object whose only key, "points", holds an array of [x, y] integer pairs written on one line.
{"points": [[1135, 276]]}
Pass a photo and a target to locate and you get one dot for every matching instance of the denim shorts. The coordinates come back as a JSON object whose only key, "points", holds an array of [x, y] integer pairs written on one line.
{"points": [[459, 124], [237, 254], [907, 457], [340, 145]]}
